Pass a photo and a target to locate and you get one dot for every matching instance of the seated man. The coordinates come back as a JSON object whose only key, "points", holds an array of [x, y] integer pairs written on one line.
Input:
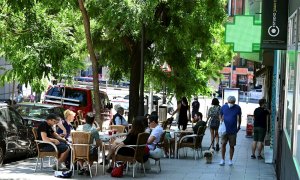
{"points": [[88, 127], [118, 118], [199, 122], [46, 133], [154, 137]]}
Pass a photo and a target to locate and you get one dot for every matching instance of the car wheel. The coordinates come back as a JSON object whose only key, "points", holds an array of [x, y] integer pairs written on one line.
{"points": [[32, 149], [1, 154]]}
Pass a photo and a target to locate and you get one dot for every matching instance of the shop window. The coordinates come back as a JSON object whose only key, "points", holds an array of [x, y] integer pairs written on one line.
{"points": [[291, 60], [297, 107]]}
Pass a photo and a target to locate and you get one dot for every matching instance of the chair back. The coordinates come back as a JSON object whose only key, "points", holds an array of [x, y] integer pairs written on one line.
{"points": [[162, 139], [35, 134], [119, 128], [81, 145], [140, 147], [199, 138]]}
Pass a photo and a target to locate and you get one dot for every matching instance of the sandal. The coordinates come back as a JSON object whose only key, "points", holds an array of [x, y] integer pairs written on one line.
{"points": [[260, 157], [253, 156]]}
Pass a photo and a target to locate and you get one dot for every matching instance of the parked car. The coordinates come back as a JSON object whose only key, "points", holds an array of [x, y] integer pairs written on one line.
{"points": [[35, 113], [75, 98], [16, 138], [256, 94]]}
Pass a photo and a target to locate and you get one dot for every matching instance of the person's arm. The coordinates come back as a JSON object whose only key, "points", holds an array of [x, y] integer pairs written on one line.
{"points": [[177, 110], [151, 139], [239, 119], [62, 127], [47, 139], [190, 115], [56, 136], [124, 122]]}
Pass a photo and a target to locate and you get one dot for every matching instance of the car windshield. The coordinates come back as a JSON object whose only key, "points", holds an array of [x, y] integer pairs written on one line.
{"points": [[38, 111]]}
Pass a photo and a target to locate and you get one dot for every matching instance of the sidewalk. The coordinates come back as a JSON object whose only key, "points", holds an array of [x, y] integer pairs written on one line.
{"points": [[244, 168], [185, 168]]}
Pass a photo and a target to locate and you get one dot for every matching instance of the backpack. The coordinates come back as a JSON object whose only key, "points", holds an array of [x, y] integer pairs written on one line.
{"points": [[114, 118]]}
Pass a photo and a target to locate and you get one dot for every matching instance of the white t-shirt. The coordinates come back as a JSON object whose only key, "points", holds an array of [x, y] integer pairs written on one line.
{"points": [[156, 132]]}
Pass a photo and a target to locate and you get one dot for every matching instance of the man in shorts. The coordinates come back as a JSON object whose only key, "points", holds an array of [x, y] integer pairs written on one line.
{"points": [[46, 133], [260, 125], [231, 115]]}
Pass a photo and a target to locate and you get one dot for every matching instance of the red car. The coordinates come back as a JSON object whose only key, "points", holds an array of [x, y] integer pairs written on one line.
{"points": [[75, 98]]}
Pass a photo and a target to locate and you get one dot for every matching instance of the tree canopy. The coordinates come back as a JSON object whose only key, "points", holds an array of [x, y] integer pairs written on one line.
{"points": [[42, 38]]}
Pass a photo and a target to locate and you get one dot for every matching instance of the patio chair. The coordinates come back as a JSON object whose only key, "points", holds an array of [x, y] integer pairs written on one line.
{"points": [[160, 144], [42, 154], [119, 128], [196, 145], [81, 149], [139, 152]]}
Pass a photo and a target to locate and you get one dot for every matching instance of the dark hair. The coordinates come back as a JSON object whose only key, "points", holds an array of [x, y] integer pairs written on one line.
{"points": [[215, 102], [184, 99], [138, 125], [262, 101], [90, 118], [154, 113], [53, 116], [153, 118], [199, 114]]}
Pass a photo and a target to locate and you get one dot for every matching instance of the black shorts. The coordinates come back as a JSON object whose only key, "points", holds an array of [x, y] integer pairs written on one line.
{"points": [[61, 147]]}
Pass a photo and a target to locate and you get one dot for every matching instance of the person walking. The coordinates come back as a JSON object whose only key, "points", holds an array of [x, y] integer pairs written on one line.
{"points": [[195, 107], [214, 122], [260, 127], [231, 115], [183, 109]]}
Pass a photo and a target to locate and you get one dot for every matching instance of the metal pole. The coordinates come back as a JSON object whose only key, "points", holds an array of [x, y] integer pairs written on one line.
{"points": [[141, 99], [231, 74]]}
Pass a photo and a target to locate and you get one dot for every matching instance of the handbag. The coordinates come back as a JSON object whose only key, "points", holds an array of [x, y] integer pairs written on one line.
{"points": [[222, 129], [117, 171]]}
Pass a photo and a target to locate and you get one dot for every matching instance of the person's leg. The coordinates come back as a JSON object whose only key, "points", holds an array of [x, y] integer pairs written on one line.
{"points": [[217, 140], [224, 142], [261, 138], [254, 143], [212, 137], [232, 143], [64, 150]]}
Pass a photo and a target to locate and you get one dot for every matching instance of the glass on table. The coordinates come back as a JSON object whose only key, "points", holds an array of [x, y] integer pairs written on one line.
{"points": [[110, 133]]}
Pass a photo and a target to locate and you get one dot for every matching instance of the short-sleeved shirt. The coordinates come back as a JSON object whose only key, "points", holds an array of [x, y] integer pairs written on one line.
{"points": [[94, 133], [260, 117], [198, 124], [121, 121], [230, 117], [68, 127], [44, 127], [156, 132]]}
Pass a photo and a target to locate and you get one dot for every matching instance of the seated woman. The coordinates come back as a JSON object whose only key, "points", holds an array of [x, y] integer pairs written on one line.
{"points": [[131, 139], [65, 126], [88, 127]]}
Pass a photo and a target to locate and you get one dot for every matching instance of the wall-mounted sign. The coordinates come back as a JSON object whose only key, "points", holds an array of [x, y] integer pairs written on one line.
{"points": [[274, 24]]}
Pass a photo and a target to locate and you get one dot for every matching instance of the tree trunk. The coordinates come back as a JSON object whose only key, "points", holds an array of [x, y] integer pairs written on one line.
{"points": [[134, 83], [86, 23]]}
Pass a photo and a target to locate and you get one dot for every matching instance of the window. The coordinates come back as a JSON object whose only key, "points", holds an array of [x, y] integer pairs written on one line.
{"points": [[291, 63], [14, 117], [76, 94], [297, 107]]}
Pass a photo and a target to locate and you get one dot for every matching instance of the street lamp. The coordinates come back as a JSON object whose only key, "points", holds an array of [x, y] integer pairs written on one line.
{"points": [[166, 69]]}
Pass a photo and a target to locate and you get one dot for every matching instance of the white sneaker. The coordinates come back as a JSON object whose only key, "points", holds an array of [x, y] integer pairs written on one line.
{"points": [[222, 163], [230, 163]]}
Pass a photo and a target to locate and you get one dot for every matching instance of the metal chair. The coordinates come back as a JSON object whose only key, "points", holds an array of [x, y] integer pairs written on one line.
{"points": [[139, 152], [42, 154], [81, 149], [196, 145]]}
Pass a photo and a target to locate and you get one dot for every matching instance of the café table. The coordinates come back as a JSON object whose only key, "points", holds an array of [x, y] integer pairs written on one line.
{"points": [[176, 135]]}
